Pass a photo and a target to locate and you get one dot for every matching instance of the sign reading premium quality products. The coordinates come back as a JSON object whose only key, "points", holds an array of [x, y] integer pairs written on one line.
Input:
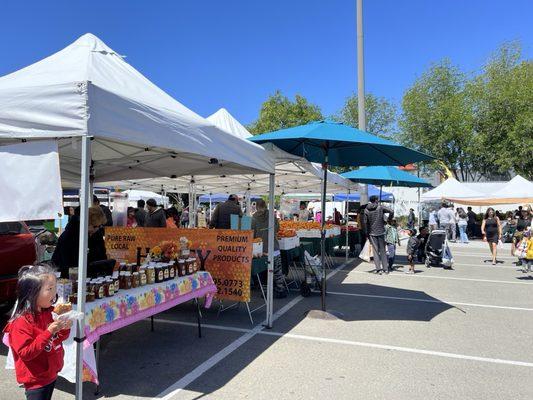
{"points": [[226, 254]]}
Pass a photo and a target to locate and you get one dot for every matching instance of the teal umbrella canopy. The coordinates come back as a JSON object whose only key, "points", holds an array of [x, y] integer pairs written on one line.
{"points": [[385, 176], [340, 145]]}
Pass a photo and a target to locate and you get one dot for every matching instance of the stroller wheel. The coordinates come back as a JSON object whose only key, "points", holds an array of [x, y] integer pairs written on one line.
{"points": [[305, 290]]}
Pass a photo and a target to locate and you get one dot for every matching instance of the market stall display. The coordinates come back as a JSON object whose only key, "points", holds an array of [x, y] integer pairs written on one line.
{"points": [[226, 254], [310, 229], [128, 306]]}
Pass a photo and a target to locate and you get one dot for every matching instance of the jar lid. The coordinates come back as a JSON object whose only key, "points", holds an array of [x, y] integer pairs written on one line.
{"points": [[181, 261], [150, 267], [135, 273], [127, 273]]}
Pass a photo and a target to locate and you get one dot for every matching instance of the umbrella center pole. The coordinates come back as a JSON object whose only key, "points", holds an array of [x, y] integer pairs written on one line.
{"points": [[323, 230]]}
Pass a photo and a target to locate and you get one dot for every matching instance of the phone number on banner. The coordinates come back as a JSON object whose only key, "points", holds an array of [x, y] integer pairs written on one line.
{"points": [[231, 287]]}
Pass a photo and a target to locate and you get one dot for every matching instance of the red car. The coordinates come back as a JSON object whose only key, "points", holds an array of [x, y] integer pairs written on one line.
{"points": [[17, 248]]}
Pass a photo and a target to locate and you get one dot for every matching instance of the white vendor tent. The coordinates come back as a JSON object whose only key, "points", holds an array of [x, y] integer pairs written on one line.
{"points": [[129, 129], [451, 188], [224, 120], [136, 195], [292, 173], [517, 190], [139, 131]]}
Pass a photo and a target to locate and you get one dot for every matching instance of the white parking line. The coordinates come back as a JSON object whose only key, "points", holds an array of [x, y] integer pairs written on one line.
{"points": [[417, 276], [178, 386], [364, 344], [431, 301], [480, 254], [486, 265]]}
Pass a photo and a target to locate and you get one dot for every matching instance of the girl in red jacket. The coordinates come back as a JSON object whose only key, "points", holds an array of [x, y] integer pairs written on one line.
{"points": [[34, 337]]}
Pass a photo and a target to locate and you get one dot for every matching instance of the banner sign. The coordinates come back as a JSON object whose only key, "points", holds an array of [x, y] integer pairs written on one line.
{"points": [[225, 254]]}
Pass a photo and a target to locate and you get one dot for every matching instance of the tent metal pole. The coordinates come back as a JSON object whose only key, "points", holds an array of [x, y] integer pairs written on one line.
{"points": [[85, 201], [210, 207], [380, 191], [248, 201], [323, 231], [347, 225], [271, 238]]}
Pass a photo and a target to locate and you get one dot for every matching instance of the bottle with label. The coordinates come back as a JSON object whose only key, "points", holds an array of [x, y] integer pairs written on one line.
{"points": [[166, 274], [181, 267], [150, 274], [171, 271], [127, 280], [159, 274], [98, 289], [142, 276], [136, 280]]}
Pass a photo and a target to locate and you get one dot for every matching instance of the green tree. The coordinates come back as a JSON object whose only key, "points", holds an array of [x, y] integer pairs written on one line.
{"points": [[279, 112], [502, 98], [381, 115], [437, 118]]}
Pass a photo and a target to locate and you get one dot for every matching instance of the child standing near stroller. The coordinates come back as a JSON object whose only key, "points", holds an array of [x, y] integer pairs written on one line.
{"points": [[391, 240], [412, 248]]}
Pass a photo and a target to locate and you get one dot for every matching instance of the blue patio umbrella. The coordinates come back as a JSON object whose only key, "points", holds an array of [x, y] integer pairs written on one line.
{"points": [[385, 176], [332, 143]]}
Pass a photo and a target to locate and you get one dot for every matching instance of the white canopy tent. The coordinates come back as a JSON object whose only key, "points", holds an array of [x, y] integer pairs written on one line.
{"points": [[451, 188], [138, 130], [517, 190], [128, 127], [292, 173], [136, 195]]}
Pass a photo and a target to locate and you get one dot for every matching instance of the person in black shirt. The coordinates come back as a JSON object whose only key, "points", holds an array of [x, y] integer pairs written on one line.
{"points": [[105, 209], [140, 213], [67, 250]]}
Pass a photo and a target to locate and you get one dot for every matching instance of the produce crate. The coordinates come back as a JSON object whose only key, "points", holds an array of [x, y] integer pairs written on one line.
{"points": [[289, 243]]}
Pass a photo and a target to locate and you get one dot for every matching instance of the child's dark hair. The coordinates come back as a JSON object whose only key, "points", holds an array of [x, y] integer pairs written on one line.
{"points": [[30, 281], [412, 232]]}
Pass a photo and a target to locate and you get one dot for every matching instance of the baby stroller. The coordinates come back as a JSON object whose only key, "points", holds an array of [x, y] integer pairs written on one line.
{"points": [[438, 252], [312, 275]]}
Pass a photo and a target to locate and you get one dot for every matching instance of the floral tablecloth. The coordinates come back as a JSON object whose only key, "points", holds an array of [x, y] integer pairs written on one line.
{"points": [[127, 307]]}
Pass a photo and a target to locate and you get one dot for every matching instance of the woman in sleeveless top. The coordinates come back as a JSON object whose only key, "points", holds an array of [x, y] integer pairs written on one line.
{"points": [[492, 232]]}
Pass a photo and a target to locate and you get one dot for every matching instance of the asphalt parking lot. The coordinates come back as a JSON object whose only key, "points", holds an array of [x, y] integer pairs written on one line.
{"points": [[464, 333]]}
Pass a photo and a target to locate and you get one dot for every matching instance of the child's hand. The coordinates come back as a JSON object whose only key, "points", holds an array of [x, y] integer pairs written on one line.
{"points": [[55, 327], [67, 324]]}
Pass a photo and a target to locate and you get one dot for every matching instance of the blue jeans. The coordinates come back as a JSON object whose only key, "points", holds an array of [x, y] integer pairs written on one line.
{"points": [[462, 232]]}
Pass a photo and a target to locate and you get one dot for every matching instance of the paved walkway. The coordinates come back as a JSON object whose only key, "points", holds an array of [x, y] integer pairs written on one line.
{"points": [[441, 334]]}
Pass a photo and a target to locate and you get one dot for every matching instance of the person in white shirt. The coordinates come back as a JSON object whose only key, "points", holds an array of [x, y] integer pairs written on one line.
{"points": [[433, 221], [303, 214], [446, 219]]}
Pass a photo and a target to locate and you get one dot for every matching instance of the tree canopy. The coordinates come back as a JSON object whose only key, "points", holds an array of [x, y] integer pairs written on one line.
{"points": [[279, 112], [381, 115]]}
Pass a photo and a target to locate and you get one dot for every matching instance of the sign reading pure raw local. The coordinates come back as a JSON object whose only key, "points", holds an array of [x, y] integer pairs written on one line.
{"points": [[226, 254]]}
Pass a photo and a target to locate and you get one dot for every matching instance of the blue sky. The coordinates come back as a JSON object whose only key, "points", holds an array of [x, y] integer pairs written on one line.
{"points": [[212, 53]]}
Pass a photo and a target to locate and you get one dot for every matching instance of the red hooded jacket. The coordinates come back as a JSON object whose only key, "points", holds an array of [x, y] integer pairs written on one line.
{"points": [[38, 354]]}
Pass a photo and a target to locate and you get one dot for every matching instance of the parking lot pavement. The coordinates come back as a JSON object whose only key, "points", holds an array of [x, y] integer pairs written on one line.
{"points": [[444, 334]]}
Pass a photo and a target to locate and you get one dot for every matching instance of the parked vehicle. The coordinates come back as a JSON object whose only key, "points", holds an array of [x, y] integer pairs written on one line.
{"points": [[17, 248]]}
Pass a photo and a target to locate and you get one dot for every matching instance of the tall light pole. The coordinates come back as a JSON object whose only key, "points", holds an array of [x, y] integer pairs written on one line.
{"points": [[361, 120]]}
